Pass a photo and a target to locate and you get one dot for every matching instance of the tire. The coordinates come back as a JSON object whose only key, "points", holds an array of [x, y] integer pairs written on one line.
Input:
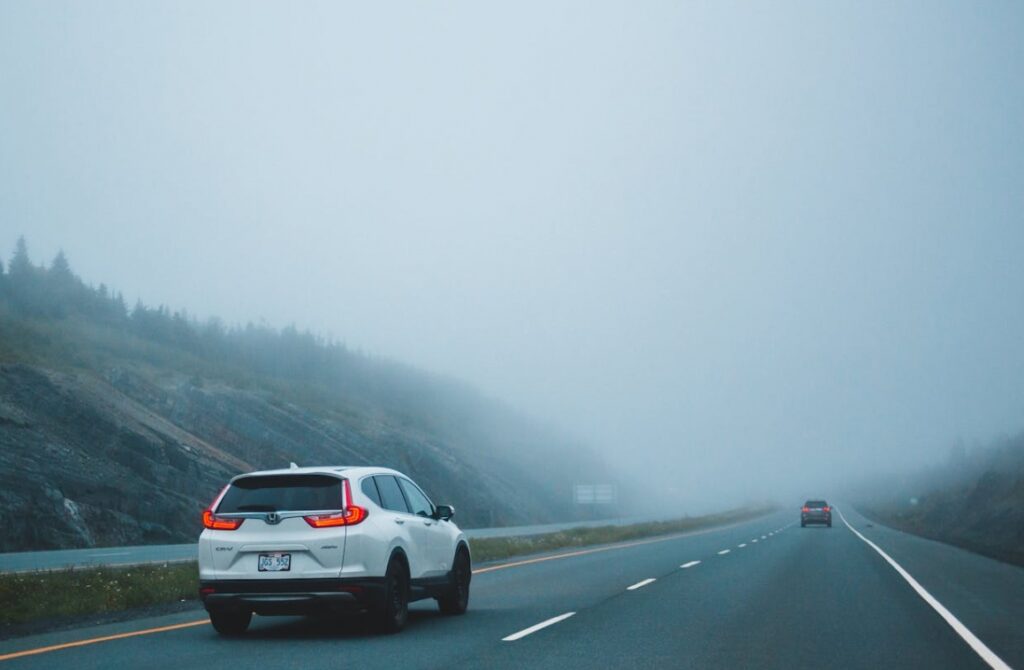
{"points": [[829, 524], [803, 524], [393, 613], [231, 622], [457, 599]]}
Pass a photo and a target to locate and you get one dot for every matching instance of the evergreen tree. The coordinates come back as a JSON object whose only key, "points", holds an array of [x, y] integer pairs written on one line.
{"points": [[21, 266], [60, 269], [27, 292]]}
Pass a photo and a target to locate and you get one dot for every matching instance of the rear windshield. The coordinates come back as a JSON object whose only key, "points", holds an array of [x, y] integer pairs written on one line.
{"points": [[282, 493], [816, 503]]}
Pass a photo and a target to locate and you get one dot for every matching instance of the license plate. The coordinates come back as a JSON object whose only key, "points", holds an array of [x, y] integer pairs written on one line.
{"points": [[275, 562]]}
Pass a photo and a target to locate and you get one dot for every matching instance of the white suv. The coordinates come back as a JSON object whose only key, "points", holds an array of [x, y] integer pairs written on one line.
{"points": [[325, 539]]}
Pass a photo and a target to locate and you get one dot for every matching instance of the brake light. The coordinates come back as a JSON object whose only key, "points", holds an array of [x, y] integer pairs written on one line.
{"points": [[806, 509], [214, 522], [350, 516], [828, 509]]}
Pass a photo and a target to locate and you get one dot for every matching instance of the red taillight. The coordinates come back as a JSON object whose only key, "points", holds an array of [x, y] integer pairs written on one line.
{"points": [[828, 509], [351, 515], [214, 522], [805, 510]]}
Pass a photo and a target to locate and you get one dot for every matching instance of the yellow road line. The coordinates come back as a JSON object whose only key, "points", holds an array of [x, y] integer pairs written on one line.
{"points": [[106, 638]]}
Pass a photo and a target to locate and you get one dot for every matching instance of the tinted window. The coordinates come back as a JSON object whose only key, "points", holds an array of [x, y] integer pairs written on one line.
{"points": [[419, 503], [277, 493], [370, 489], [390, 494], [816, 503]]}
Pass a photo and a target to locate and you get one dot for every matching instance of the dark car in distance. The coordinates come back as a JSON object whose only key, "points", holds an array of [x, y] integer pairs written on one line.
{"points": [[816, 511]]}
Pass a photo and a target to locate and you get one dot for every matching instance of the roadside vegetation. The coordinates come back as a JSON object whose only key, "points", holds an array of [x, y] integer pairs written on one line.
{"points": [[62, 594]]}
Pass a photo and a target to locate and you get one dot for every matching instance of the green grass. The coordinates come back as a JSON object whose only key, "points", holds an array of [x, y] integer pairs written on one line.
{"points": [[58, 594]]}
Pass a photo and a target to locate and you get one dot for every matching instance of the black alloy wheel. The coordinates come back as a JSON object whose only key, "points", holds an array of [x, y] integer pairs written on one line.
{"points": [[394, 612], [457, 599]]}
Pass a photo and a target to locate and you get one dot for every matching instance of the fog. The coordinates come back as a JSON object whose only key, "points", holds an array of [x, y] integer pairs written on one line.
{"points": [[741, 250]]}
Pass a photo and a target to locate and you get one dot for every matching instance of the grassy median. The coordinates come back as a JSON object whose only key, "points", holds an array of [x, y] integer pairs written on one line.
{"points": [[64, 594]]}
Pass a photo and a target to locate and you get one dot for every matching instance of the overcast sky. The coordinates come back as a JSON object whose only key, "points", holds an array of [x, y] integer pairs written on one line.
{"points": [[744, 247]]}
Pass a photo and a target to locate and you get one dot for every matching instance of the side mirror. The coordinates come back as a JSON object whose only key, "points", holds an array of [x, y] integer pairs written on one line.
{"points": [[444, 512]]}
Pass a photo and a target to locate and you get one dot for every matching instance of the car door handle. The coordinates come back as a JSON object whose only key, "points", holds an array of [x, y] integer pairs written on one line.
{"points": [[399, 521], [428, 523]]}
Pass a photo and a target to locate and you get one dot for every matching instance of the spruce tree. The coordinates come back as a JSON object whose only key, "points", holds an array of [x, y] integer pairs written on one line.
{"points": [[21, 266], [60, 269]]}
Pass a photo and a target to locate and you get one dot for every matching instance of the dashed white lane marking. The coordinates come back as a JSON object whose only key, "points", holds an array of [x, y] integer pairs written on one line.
{"points": [[536, 627], [723, 552], [754, 541], [763, 537], [649, 580], [970, 638], [742, 545], [690, 564]]}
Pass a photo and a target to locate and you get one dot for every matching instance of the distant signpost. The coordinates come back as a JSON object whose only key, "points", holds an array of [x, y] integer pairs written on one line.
{"points": [[595, 494]]}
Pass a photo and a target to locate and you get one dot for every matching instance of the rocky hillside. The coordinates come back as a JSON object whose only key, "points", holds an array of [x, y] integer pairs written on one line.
{"points": [[974, 500], [118, 427]]}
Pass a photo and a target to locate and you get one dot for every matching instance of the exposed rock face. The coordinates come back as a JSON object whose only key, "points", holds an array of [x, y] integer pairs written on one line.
{"points": [[125, 459]]}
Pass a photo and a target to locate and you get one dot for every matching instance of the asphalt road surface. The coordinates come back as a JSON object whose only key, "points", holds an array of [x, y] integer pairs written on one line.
{"points": [[761, 594]]}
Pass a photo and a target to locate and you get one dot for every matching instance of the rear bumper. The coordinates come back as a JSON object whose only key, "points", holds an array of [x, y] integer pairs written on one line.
{"points": [[292, 596], [816, 518]]}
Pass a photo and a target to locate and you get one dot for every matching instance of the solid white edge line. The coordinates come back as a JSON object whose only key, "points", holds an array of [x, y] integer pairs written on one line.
{"points": [[536, 627], [963, 631], [690, 564], [723, 552], [649, 580]]}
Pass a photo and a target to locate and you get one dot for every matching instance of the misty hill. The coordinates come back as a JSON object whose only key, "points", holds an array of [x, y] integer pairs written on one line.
{"points": [[117, 425], [974, 500]]}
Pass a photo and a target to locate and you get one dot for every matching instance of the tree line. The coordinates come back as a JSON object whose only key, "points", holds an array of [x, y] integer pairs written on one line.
{"points": [[55, 293]]}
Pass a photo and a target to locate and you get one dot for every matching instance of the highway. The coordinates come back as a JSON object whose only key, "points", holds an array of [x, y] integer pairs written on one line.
{"points": [[760, 594], [58, 559]]}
